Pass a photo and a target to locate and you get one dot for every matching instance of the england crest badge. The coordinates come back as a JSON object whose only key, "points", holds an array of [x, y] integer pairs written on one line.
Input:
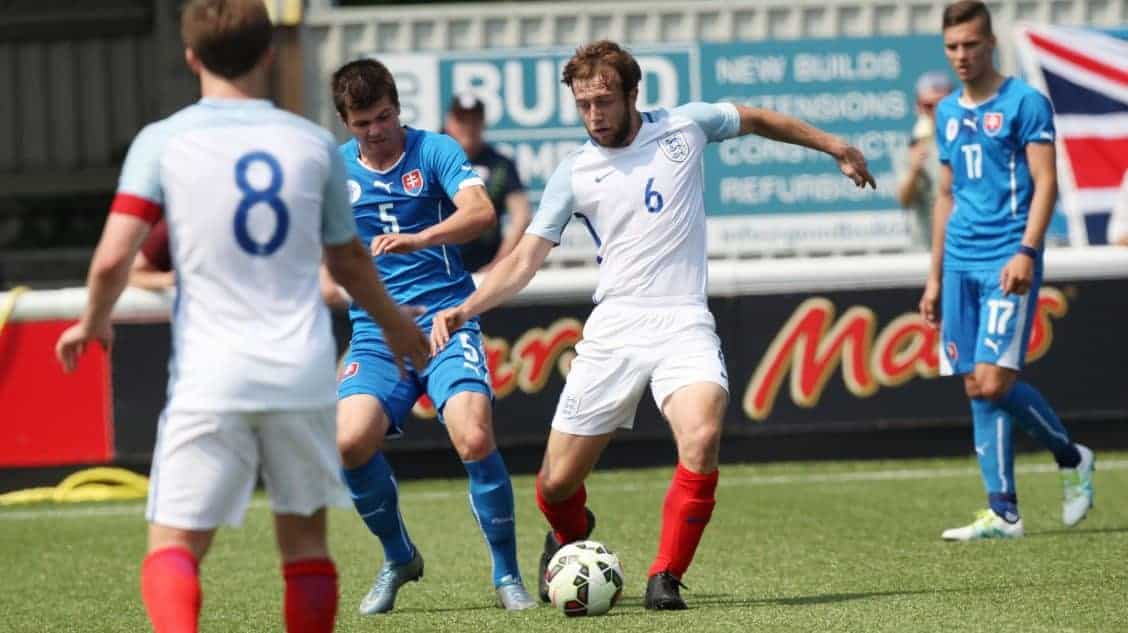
{"points": [[675, 147]]}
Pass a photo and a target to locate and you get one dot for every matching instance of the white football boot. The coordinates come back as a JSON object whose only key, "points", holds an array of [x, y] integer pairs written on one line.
{"points": [[987, 525], [1078, 484]]}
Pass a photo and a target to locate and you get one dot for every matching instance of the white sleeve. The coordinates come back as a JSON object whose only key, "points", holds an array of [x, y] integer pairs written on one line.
{"points": [[555, 209], [719, 121], [338, 225]]}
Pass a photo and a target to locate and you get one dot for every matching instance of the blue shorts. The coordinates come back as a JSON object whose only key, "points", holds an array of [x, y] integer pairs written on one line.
{"points": [[370, 369], [979, 324]]}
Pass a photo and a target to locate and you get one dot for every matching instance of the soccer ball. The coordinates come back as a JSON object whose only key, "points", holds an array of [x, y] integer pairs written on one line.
{"points": [[584, 578]]}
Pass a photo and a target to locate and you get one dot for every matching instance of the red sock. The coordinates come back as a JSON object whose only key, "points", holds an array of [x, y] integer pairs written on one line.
{"points": [[567, 517], [311, 595], [170, 588], [689, 504]]}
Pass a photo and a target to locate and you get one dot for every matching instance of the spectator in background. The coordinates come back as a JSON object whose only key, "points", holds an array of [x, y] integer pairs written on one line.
{"points": [[1118, 222], [152, 266], [466, 122], [916, 184]]}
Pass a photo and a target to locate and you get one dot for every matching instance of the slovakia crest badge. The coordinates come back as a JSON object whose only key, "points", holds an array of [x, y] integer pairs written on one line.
{"points": [[993, 123], [412, 182]]}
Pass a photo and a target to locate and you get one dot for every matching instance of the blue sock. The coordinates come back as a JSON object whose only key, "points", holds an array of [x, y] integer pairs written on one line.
{"points": [[376, 497], [994, 447], [1035, 416], [491, 501]]}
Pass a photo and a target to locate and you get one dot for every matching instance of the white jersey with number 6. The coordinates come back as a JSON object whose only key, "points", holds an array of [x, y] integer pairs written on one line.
{"points": [[643, 204], [250, 193]]}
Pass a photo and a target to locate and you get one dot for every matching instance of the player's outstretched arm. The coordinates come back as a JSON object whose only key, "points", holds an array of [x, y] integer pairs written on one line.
{"points": [[351, 266], [788, 129], [107, 278], [941, 211], [506, 279], [474, 213]]}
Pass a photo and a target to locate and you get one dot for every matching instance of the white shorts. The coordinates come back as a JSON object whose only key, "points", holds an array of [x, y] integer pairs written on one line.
{"points": [[627, 346], [206, 464]]}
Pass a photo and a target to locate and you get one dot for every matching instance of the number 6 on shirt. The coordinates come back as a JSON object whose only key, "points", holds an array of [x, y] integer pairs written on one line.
{"points": [[654, 201]]}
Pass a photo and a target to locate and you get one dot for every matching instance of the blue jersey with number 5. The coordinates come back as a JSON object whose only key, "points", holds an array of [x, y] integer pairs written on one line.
{"points": [[985, 146], [414, 194]]}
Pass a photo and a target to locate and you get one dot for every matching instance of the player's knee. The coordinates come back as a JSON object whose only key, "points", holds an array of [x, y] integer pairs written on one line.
{"points": [[475, 445], [301, 538], [556, 487], [699, 447], [971, 387], [993, 387], [356, 445]]}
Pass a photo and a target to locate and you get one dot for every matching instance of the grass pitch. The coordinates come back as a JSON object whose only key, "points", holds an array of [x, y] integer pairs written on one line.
{"points": [[847, 546]]}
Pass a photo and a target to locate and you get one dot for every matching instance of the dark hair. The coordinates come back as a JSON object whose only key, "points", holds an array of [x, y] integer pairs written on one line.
{"points": [[588, 61], [361, 83], [966, 11], [228, 36]]}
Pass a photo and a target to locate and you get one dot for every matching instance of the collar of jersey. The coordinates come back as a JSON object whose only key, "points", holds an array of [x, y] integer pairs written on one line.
{"points": [[382, 172], [236, 103], [976, 106]]}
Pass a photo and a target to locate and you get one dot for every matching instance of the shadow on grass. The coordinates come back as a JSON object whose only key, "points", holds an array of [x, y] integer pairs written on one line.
{"points": [[727, 600], [1078, 532], [460, 608]]}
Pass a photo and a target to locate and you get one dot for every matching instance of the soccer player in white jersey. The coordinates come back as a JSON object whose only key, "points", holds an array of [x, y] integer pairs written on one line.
{"points": [[253, 195], [637, 187]]}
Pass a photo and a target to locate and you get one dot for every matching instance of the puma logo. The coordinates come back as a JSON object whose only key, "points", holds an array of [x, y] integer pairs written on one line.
{"points": [[386, 185], [992, 344]]}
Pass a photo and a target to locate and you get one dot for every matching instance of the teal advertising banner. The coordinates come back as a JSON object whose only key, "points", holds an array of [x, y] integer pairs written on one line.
{"points": [[762, 196], [861, 89]]}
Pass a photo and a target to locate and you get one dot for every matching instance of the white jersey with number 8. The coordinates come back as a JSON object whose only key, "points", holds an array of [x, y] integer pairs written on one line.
{"points": [[250, 193]]}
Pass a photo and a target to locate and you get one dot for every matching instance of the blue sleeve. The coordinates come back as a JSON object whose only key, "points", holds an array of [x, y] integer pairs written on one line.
{"points": [[719, 121], [141, 172], [447, 163], [941, 134], [555, 209], [1035, 120], [337, 223]]}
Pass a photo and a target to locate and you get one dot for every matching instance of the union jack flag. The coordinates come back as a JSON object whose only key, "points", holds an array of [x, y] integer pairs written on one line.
{"points": [[1084, 72]]}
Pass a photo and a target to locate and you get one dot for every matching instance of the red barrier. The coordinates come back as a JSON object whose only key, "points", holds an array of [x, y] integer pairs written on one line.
{"points": [[48, 418]]}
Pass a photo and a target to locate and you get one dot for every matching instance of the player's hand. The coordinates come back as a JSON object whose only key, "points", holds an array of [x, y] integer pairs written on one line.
{"points": [[72, 342], [1017, 275], [396, 243], [445, 322], [852, 164], [406, 340], [928, 303]]}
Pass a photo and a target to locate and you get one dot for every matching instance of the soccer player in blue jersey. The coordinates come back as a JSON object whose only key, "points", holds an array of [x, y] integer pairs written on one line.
{"points": [[998, 183], [415, 196]]}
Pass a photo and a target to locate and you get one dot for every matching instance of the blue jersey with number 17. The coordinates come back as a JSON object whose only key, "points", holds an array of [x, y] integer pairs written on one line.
{"points": [[412, 195], [985, 146]]}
